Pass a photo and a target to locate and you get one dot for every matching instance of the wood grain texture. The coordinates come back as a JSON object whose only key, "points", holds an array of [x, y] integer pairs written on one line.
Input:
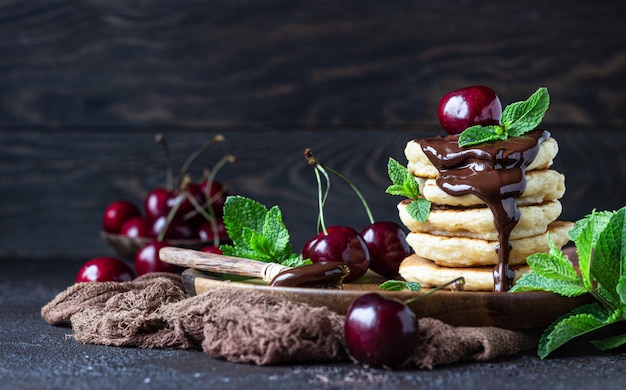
{"points": [[100, 64], [55, 187], [85, 85]]}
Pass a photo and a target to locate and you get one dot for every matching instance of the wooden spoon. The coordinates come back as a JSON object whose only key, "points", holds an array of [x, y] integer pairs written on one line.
{"points": [[320, 275]]}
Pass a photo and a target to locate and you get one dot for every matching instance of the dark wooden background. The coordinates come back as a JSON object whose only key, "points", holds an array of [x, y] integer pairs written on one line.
{"points": [[86, 84]]}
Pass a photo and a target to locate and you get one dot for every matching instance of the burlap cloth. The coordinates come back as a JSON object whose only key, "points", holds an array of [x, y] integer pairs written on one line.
{"points": [[153, 311]]}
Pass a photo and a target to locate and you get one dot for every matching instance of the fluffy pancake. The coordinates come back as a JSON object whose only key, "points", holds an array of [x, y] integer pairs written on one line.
{"points": [[417, 269], [541, 185], [471, 252], [478, 222], [419, 165]]}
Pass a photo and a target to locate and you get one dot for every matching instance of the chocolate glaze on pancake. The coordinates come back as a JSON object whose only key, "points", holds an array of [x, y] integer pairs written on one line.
{"points": [[494, 172]]}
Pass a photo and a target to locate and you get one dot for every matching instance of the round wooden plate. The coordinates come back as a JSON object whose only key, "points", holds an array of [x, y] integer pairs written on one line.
{"points": [[519, 311]]}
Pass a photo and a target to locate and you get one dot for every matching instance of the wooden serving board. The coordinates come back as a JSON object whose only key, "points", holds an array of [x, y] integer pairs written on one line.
{"points": [[518, 311]]}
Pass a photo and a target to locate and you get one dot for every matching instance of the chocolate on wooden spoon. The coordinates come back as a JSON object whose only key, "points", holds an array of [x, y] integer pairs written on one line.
{"points": [[318, 275]]}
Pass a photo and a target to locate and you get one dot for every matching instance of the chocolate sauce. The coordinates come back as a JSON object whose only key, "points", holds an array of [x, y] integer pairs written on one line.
{"points": [[317, 275], [494, 172]]}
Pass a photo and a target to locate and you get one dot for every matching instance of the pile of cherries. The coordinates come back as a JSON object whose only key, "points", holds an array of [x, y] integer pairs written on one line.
{"points": [[190, 213], [381, 331]]}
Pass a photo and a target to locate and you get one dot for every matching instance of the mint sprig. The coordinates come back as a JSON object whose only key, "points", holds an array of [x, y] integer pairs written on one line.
{"points": [[400, 285], [517, 119], [404, 184], [258, 233], [600, 239]]}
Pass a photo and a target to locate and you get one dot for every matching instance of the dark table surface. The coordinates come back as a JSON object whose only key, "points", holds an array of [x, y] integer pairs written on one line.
{"points": [[36, 355]]}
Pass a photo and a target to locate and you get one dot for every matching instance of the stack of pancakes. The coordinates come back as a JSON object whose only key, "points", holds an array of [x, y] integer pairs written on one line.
{"points": [[459, 238]]}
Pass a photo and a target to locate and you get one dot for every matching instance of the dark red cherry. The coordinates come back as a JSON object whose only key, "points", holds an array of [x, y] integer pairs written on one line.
{"points": [[176, 229], [117, 213], [136, 227], [380, 331], [182, 199], [345, 245], [212, 249], [155, 203], [207, 233], [469, 106], [148, 260], [105, 269], [386, 242], [215, 192], [306, 248]]}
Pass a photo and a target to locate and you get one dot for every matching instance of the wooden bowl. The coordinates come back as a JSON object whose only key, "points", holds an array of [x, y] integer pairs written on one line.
{"points": [[127, 247], [517, 311]]}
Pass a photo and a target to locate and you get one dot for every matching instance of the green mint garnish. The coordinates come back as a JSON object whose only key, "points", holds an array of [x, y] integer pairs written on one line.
{"points": [[399, 285], [404, 184], [600, 240], [257, 233], [517, 119]]}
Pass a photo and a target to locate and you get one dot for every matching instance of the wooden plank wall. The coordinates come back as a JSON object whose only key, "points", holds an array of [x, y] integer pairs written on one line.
{"points": [[86, 84]]}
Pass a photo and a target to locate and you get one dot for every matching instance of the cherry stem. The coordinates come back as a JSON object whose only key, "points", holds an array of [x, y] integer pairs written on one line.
{"points": [[229, 158], [313, 161], [210, 177], [209, 215], [356, 190], [460, 280], [169, 175], [321, 196], [172, 213], [197, 153]]}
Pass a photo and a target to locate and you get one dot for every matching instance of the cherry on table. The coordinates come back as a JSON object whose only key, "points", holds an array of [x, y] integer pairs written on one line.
{"points": [[185, 205], [155, 203], [148, 260], [136, 227], [105, 269], [212, 249], [380, 331], [175, 230], [469, 106], [386, 242], [215, 192], [117, 213], [207, 233], [344, 245]]}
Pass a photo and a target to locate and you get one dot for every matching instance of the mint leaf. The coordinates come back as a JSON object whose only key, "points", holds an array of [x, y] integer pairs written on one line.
{"points": [[610, 343], [522, 117], [480, 134], [404, 184], [553, 266], [517, 119], [609, 256], [295, 261], [399, 285], [257, 233], [259, 245], [585, 234], [239, 212], [276, 232], [419, 209], [579, 321], [532, 281], [621, 290]]}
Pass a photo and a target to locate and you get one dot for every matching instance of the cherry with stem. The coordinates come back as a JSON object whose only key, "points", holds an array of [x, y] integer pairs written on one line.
{"points": [[386, 240]]}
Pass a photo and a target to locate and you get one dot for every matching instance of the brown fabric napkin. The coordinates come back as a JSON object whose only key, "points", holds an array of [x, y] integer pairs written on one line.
{"points": [[153, 311]]}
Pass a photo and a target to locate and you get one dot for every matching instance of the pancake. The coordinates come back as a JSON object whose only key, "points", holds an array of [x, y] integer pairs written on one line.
{"points": [[417, 269], [541, 185], [419, 165], [471, 252], [478, 222]]}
